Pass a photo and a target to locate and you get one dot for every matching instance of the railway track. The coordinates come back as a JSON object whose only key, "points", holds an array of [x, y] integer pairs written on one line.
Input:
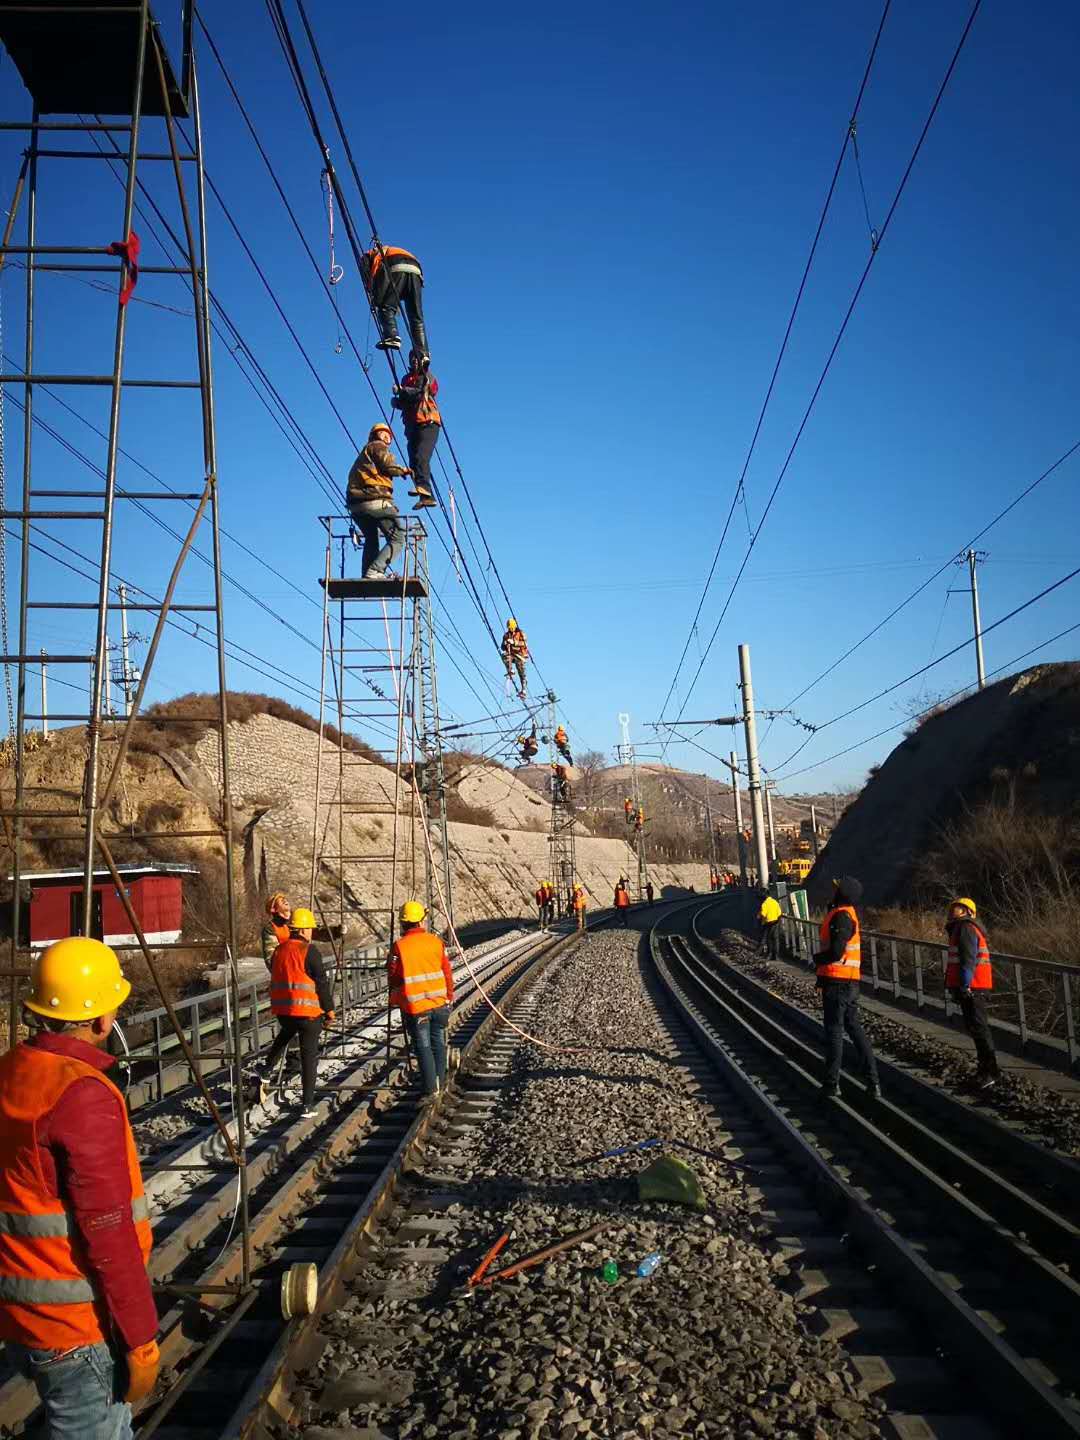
{"points": [[955, 1236]]}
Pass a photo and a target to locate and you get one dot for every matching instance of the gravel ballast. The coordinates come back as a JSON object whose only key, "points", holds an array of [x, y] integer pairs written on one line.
{"points": [[710, 1344]]}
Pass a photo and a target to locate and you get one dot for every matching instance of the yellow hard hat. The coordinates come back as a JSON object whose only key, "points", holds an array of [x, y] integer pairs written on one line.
{"points": [[412, 912], [967, 904], [511, 624], [303, 919], [77, 979]]}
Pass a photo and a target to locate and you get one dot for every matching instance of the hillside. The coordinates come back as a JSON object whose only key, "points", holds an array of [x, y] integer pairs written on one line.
{"points": [[1014, 746]]}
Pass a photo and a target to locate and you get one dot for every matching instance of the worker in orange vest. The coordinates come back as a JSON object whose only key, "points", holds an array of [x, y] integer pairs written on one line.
{"points": [[415, 398], [562, 744], [394, 277], [969, 977], [515, 652], [579, 905], [300, 996], [276, 930], [622, 902], [529, 747], [628, 810], [369, 496], [540, 896], [422, 988], [839, 967], [77, 1314]]}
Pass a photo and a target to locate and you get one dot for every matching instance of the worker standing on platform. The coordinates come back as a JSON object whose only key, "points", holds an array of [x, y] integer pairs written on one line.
{"points": [[76, 1310], [562, 744], [579, 905], [300, 996], [622, 902], [769, 933], [422, 988], [415, 398], [276, 930], [370, 498], [394, 277], [969, 977], [515, 651], [839, 967]]}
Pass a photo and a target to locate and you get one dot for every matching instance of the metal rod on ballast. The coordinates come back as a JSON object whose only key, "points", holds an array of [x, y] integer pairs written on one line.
{"points": [[753, 770], [740, 837]]}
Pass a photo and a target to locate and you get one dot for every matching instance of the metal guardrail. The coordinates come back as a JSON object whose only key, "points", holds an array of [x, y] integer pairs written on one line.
{"points": [[1033, 1003]]}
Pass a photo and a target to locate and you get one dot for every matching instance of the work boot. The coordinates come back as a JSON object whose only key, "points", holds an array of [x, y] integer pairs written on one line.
{"points": [[388, 342], [875, 1089], [426, 502], [829, 1092], [374, 575]]}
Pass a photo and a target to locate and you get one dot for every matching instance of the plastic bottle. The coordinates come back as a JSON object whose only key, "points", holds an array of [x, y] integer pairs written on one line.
{"points": [[649, 1264], [609, 1272]]}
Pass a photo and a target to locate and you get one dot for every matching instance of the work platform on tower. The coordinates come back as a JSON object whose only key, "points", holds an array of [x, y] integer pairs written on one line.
{"points": [[410, 588]]}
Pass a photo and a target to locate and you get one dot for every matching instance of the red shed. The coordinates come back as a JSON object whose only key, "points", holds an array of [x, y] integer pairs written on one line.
{"points": [[156, 893]]}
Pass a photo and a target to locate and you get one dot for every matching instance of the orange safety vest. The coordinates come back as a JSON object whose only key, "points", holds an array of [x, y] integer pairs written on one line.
{"points": [[423, 982], [622, 899], [427, 411], [579, 900], [541, 896], [849, 967], [396, 259], [514, 643], [281, 931], [983, 979], [47, 1299], [292, 990]]}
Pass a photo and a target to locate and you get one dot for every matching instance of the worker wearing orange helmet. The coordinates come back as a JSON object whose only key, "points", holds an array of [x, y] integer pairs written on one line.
{"points": [[77, 1314], [562, 744], [422, 988], [276, 930], [301, 997], [515, 652], [370, 498], [969, 977]]}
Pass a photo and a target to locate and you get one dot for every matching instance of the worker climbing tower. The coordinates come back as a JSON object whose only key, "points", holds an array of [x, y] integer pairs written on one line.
{"points": [[561, 838], [379, 778], [635, 836], [110, 195]]}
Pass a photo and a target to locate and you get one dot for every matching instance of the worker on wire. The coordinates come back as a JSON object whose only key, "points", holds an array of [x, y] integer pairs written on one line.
{"points": [[370, 498], [515, 652], [422, 988], [622, 902], [394, 277], [562, 744], [77, 1313], [415, 398], [276, 930], [628, 810], [528, 746], [578, 904], [769, 927], [301, 997], [839, 968], [969, 977], [560, 784]]}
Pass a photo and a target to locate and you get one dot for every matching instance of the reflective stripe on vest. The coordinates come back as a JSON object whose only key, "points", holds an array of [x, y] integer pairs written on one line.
{"points": [[983, 978], [849, 966], [47, 1300], [423, 986], [292, 990]]}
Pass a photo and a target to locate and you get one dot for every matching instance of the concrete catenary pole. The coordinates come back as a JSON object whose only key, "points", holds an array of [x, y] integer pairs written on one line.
{"points": [[813, 829], [769, 817], [734, 763], [753, 770], [980, 666]]}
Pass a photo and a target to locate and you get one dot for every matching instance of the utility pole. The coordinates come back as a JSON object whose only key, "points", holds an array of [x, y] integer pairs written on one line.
{"points": [[770, 786], [813, 827], [973, 558], [734, 763], [752, 768], [44, 698]]}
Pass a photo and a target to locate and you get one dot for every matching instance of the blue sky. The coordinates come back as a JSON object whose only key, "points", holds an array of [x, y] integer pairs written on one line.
{"points": [[613, 215]]}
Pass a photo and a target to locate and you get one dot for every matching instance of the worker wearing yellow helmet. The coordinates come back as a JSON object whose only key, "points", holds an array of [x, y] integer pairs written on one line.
{"points": [[969, 976], [301, 996], [515, 652], [77, 1314], [422, 988], [769, 932]]}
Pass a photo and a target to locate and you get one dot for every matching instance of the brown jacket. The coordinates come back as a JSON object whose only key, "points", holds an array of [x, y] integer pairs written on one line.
{"points": [[372, 473]]}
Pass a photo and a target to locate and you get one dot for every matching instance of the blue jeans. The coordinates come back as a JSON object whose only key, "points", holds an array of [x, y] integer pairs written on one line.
{"points": [[77, 1389], [375, 519], [427, 1036]]}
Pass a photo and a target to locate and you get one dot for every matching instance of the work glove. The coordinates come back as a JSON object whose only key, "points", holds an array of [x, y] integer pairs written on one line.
{"points": [[143, 1364]]}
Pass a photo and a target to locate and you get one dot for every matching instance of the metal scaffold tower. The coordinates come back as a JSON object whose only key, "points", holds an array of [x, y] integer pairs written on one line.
{"points": [[635, 840], [79, 63], [561, 839], [384, 767]]}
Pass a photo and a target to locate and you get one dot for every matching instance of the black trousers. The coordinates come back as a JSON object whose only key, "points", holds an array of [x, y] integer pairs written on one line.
{"points": [[308, 1032], [841, 1001], [400, 288], [421, 441], [770, 938], [973, 1008], [624, 916]]}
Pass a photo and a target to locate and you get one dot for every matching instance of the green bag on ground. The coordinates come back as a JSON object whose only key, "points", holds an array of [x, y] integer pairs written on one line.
{"points": [[670, 1178]]}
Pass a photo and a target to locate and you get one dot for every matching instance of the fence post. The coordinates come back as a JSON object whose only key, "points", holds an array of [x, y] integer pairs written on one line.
{"points": [[895, 970], [873, 962], [255, 1019], [196, 1036], [1070, 1018], [1018, 973], [157, 1053], [917, 952]]}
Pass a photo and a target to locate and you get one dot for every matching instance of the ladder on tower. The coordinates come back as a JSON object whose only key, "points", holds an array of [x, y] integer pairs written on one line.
{"points": [[561, 836]]}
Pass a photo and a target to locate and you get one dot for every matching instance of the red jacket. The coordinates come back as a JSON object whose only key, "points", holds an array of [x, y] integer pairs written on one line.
{"points": [[82, 1153]]}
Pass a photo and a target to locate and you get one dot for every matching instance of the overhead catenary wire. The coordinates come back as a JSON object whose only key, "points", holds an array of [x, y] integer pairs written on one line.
{"points": [[834, 348]]}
